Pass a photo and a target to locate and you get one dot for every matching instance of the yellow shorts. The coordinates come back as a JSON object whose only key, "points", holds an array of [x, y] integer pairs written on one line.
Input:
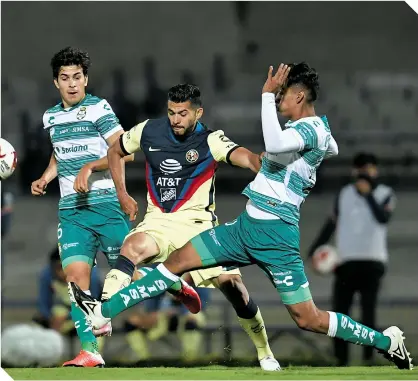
{"points": [[171, 234]]}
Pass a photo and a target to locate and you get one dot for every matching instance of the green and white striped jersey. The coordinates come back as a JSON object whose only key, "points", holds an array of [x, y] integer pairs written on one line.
{"points": [[285, 179], [78, 137]]}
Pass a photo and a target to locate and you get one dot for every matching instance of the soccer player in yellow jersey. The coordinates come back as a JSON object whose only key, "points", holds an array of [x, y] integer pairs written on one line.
{"points": [[182, 156]]}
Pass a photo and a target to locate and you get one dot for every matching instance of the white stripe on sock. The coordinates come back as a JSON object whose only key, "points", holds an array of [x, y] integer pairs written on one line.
{"points": [[163, 270], [333, 324]]}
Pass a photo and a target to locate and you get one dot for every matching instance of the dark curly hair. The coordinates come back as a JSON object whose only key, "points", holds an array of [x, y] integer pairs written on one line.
{"points": [[70, 56], [185, 92], [303, 74]]}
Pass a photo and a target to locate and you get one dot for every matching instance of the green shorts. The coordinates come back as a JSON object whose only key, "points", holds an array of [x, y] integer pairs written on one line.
{"points": [[273, 245], [84, 230]]}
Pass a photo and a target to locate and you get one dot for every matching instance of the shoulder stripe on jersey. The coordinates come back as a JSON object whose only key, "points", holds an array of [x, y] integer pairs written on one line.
{"points": [[229, 154], [91, 101], [212, 201], [122, 146], [308, 133], [152, 191], [55, 109]]}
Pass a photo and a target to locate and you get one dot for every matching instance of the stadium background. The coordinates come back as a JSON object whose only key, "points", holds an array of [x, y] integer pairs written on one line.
{"points": [[367, 59]]}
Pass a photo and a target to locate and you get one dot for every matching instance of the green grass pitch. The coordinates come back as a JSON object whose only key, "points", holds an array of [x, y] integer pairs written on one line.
{"points": [[213, 373]]}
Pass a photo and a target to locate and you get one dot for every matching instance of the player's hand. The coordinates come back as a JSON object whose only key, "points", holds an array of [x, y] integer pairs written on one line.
{"points": [[363, 186], [38, 187], [274, 83], [81, 183], [129, 206]]}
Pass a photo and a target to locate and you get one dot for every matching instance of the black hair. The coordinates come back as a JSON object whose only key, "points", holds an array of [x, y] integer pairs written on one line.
{"points": [[70, 56], [361, 159], [185, 92], [302, 74]]}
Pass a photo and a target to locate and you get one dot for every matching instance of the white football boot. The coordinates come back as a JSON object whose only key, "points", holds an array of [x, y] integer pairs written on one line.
{"points": [[397, 352]]}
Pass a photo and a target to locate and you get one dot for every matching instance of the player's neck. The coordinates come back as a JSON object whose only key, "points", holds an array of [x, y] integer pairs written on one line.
{"points": [[304, 112], [65, 105]]}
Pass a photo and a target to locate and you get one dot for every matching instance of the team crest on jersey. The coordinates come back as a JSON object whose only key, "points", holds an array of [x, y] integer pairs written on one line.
{"points": [[192, 155], [82, 113]]}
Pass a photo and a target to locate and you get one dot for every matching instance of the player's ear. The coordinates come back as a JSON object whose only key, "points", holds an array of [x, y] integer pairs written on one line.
{"points": [[300, 97], [56, 83], [86, 80], [199, 113]]}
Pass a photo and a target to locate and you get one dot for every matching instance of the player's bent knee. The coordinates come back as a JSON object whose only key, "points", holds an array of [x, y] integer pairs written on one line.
{"points": [[135, 248], [82, 280]]}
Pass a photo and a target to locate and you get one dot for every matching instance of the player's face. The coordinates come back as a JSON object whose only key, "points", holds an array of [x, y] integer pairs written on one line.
{"points": [[71, 83], [183, 116], [289, 99]]}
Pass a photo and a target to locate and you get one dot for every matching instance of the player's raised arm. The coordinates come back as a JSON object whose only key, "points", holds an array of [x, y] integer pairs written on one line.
{"points": [[223, 149], [38, 186], [275, 139]]}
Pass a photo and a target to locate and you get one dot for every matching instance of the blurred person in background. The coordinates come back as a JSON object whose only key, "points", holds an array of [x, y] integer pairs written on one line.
{"points": [[54, 306], [161, 316], [361, 214]]}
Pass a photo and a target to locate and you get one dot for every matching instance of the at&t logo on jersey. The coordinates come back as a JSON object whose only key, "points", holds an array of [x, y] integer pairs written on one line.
{"points": [[169, 167]]}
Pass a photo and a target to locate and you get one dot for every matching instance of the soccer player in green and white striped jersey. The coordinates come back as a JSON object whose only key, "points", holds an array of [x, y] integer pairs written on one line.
{"points": [[81, 127]]}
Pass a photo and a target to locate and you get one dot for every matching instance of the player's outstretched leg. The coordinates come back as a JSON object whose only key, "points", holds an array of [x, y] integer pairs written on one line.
{"points": [[138, 248], [390, 342], [249, 316], [154, 283]]}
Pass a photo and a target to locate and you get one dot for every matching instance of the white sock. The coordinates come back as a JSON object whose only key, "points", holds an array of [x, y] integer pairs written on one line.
{"points": [[163, 270], [333, 324], [87, 292]]}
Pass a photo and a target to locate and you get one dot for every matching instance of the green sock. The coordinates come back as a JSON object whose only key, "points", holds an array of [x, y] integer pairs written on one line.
{"points": [[343, 327], [84, 331], [173, 290], [154, 283]]}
